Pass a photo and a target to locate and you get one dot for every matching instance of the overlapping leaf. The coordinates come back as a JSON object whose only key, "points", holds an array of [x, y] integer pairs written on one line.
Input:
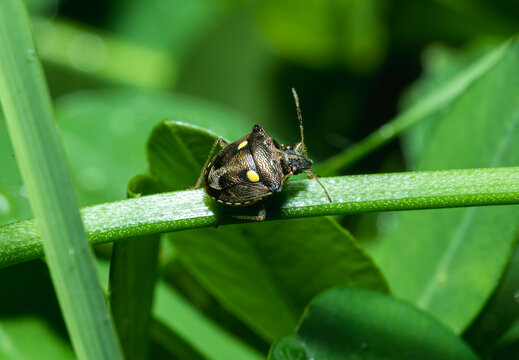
{"points": [[347, 323], [264, 273], [449, 261]]}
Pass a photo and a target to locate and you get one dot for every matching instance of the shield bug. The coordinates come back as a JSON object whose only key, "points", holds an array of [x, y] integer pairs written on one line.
{"points": [[253, 168]]}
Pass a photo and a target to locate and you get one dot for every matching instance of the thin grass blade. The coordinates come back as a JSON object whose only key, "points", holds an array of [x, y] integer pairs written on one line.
{"points": [[29, 117]]}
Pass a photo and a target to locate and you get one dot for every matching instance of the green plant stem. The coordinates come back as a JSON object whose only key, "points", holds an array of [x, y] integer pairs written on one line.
{"points": [[29, 118], [434, 102], [133, 271], [190, 209]]}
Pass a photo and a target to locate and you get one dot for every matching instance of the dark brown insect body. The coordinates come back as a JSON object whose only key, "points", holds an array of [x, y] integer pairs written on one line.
{"points": [[253, 167]]}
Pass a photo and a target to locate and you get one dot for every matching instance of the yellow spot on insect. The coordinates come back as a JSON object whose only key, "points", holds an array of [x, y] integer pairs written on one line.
{"points": [[252, 176], [241, 146]]}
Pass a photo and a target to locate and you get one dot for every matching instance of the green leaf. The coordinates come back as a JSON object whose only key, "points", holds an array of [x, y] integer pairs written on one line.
{"points": [[282, 266], [508, 345], [31, 326], [243, 82], [442, 65], [334, 32], [13, 197], [177, 152], [40, 6], [30, 121], [173, 26], [193, 333], [499, 314], [434, 104], [288, 261], [167, 344], [348, 323], [455, 258], [105, 133], [71, 51], [31, 338], [209, 339]]}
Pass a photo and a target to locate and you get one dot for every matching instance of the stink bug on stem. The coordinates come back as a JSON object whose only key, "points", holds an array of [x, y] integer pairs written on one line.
{"points": [[253, 168]]}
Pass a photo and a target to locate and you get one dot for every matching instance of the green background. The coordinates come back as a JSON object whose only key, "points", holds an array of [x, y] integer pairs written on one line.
{"points": [[117, 69]]}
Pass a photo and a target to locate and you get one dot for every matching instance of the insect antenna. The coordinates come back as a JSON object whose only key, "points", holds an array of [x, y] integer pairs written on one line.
{"points": [[300, 146], [311, 175]]}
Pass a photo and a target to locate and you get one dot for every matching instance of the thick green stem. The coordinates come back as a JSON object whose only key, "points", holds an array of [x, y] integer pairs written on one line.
{"points": [[190, 209]]}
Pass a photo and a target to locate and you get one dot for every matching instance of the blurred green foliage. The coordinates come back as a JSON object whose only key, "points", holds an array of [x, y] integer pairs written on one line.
{"points": [[118, 68]]}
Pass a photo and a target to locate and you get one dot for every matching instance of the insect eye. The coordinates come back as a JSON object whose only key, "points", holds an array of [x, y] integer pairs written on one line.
{"points": [[289, 147], [295, 170]]}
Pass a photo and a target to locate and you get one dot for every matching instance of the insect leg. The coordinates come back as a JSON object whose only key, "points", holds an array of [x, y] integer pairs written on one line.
{"points": [[260, 217], [220, 142]]}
